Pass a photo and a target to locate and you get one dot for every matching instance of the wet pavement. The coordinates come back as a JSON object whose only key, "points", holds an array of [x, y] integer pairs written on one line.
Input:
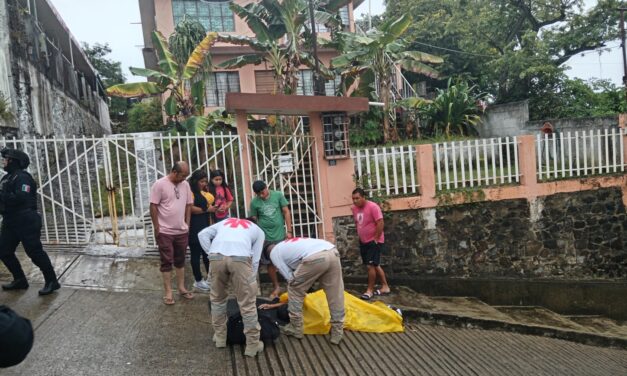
{"points": [[108, 319]]}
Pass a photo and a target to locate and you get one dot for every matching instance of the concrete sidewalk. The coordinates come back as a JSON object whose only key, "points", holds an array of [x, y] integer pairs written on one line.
{"points": [[108, 319]]}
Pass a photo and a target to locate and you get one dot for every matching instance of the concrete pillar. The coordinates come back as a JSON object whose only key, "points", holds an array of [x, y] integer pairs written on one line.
{"points": [[426, 173], [527, 161], [241, 121], [334, 181]]}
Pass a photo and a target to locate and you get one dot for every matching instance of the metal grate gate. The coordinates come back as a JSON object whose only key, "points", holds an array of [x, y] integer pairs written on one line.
{"points": [[287, 163], [96, 190]]}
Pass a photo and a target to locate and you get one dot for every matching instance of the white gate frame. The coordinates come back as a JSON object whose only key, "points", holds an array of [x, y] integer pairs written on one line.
{"points": [[264, 164]]}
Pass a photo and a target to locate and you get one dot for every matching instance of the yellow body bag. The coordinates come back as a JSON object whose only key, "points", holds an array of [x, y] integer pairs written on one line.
{"points": [[360, 316]]}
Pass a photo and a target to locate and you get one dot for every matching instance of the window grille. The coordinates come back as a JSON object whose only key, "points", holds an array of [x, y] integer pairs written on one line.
{"points": [[213, 15], [218, 84]]}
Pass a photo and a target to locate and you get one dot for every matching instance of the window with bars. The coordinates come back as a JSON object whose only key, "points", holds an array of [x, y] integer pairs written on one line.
{"points": [[305, 84], [214, 15], [217, 85], [343, 15]]}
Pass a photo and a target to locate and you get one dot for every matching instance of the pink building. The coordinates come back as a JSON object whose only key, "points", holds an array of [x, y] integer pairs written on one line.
{"points": [[162, 15]]}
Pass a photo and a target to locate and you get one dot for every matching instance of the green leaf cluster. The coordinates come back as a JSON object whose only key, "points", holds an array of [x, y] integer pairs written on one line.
{"points": [[283, 37], [372, 60], [145, 116], [512, 49]]}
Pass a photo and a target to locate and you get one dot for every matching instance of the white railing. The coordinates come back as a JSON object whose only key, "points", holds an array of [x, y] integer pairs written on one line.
{"points": [[476, 163], [387, 170], [572, 154]]}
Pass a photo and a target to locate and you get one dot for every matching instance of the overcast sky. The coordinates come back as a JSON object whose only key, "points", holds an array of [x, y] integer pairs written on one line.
{"points": [[117, 22]]}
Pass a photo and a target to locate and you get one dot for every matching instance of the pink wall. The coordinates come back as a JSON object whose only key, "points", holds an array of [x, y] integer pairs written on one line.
{"points": [[529, 187]]}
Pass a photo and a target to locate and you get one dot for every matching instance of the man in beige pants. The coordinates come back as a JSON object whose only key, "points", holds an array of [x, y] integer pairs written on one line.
{"points": [[303, 261], [234, 248]]}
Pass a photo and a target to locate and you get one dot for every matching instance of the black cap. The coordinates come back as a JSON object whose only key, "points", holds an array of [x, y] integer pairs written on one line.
{"points": [[259, 186], [18, 155]]}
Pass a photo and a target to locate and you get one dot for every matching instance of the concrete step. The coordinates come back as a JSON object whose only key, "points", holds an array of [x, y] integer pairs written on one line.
{"points": [[601, 325], [532, 315]]}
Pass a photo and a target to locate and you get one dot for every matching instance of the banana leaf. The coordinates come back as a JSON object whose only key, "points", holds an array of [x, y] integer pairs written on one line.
{"points": [[170, 106], [134, 90], [149, 73], [423, 57], [198, 96], [241, 61], [197, 58], [418, 67], [168, 64]]}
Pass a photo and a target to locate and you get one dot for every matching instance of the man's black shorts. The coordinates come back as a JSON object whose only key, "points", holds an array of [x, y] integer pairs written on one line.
{"points": [[371, 253]]}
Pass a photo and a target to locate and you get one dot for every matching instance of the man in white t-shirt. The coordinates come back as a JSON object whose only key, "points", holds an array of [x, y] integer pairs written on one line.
{"points": [[303, 261], [234, 247]]}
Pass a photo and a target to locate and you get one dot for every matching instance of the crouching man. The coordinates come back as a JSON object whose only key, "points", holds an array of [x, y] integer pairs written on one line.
{"points": [[234, 247], [303, 261]]}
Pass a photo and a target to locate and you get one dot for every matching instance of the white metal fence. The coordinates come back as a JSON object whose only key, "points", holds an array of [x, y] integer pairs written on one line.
{"points": [[387, 170], [573, 154], [476, 163], [97, 189]]}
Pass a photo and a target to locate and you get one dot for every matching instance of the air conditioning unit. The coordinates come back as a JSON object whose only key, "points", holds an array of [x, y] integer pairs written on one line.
{"points": [[335, 135]]}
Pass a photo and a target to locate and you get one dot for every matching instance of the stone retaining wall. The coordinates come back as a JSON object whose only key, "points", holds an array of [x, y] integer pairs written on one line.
{"points": [[572, 235]]}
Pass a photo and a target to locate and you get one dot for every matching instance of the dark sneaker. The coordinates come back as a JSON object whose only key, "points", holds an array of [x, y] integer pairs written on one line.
{"points": [[49, 288], [18, 284]]}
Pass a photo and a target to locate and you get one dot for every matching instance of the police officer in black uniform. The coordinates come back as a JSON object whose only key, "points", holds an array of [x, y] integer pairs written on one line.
{"points": [[21, 223]]}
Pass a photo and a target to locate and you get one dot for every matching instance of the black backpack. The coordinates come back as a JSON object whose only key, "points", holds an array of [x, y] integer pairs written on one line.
{"points": [[235, 325]]}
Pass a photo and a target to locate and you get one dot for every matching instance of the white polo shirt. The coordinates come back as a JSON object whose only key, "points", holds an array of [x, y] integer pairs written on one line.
{"points": [[289, 253], [233, 237]]}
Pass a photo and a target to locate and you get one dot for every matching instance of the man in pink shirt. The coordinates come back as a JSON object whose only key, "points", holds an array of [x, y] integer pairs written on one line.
{"points": [[171, 200], [369, 222]]}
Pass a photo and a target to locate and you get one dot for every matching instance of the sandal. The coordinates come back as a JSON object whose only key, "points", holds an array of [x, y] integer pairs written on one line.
{"points": [[187, 294], [168, 301], [378, 292], [366, 296]]}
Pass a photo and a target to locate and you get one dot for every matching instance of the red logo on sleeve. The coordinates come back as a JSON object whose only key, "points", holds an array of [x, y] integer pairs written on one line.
{"points": [[236, 222], [292, 240]]}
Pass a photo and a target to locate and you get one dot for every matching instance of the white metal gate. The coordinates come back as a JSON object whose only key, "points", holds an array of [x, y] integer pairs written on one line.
{"points": [[96, 190], [288, 163]]}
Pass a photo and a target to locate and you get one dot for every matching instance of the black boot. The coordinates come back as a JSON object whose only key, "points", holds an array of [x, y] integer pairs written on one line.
{"points": [[17, 284], [49, 287]]}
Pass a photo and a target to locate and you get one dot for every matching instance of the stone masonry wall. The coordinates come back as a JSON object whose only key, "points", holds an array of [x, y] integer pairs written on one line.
{"points": [[571, 235]]}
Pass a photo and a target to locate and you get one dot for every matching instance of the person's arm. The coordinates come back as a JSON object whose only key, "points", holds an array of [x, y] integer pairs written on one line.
{"points": [[257, 247], [205, 236], [253, 212], [229, 198], [282, 267], [188, 213], [271, 305], [378, 230], [21, 192], [155, 218], [288, 222]]}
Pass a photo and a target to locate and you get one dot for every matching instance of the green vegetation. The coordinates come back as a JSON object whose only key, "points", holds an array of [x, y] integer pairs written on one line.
{"points": [[5, 108], [111, 74], [145, 116], [512, 50], [372, 58]]}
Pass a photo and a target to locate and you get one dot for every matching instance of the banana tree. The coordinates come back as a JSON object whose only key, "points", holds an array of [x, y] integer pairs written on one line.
{"points": [[282, 36], [372, 58], [184, 108]]}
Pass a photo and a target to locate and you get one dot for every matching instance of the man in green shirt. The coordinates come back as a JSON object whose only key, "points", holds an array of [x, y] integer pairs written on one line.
{"points": [[270, 211]]}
